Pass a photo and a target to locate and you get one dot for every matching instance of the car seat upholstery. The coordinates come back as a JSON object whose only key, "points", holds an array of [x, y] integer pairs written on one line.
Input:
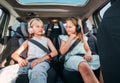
{"points": [[53, 31], [49, 29], [92, 42], [17, 39]]}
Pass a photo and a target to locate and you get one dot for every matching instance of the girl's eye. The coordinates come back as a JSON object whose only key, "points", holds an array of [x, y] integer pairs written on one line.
{"points": [[68, 27], [37, 26]]}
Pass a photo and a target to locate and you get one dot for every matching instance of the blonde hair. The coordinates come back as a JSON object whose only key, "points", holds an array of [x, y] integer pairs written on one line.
{"points": [[75, 23], [32, 22]]}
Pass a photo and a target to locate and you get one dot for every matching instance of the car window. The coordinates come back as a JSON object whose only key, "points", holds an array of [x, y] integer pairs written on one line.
{"points": [[0, 13], [102, 11], [51, 2], [89, 25], [98, 14], [1, 20]]}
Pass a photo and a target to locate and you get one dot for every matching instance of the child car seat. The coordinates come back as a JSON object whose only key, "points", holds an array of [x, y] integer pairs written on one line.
{"points": [[17, 39]]}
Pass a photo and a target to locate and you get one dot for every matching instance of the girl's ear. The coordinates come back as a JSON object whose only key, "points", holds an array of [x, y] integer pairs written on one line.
{"points": [[30, 30]]}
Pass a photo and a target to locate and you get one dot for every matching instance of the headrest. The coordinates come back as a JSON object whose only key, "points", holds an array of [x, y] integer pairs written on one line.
{"points": [[63, 31], [22, 30]]}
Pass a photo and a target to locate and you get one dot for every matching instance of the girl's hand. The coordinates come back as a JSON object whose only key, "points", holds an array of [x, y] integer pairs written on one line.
{"points": [[72, 36], [35, 62], [88, 57], [23, 63]]}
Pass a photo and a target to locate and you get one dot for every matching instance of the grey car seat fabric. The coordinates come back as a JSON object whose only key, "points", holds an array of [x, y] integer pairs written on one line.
{"points": [[17, 39], [92, 42], [53, 33]]}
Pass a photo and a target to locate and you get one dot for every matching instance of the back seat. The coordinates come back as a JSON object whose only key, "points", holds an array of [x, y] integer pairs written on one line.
{"points": [[17, 39], [53, 33]]}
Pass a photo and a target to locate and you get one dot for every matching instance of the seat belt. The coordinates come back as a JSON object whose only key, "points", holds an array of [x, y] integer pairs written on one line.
{"points": [[40, 46], [73, 45], [62, 57]]}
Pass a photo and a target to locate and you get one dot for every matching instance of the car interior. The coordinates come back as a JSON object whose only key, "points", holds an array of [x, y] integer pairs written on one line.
{"points": [[14, 15]]}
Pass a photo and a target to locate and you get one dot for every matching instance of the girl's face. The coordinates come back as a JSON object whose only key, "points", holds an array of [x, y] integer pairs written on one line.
{"points": [[38, 28], [70, 28]]}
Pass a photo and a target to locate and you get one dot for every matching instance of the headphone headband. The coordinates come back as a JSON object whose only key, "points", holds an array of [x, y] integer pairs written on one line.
{"points": [[78, 28]]}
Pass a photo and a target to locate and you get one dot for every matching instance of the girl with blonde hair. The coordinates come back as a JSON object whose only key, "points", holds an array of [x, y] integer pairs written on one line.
{"points": [[35, 64], [79, 58]]}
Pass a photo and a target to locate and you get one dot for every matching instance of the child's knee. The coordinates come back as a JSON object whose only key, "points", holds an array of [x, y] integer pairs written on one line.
{"points": [[84, 67]]}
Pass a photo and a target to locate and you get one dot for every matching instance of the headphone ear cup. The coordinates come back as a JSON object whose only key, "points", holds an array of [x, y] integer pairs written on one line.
{"points": [[78, 28], [30, 30], [43, 31]]}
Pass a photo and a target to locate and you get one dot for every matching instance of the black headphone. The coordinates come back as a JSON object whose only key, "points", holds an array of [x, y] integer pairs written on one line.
{"points": [[78, 28]]}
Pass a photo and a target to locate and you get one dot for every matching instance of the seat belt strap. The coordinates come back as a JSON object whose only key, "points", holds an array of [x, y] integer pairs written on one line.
{"points": [[39, 45]]}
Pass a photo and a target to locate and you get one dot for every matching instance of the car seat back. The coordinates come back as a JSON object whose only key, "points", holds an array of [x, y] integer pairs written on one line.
{"points": [[18, 38]]}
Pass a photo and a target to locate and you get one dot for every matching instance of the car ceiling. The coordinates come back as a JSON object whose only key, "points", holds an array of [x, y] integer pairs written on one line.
{"points": [[54, 11]]}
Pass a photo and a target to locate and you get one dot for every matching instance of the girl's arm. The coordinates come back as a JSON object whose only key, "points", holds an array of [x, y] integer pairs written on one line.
{"points": [[16, 54], [52, 48], [65, 45], [88, 55]]}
